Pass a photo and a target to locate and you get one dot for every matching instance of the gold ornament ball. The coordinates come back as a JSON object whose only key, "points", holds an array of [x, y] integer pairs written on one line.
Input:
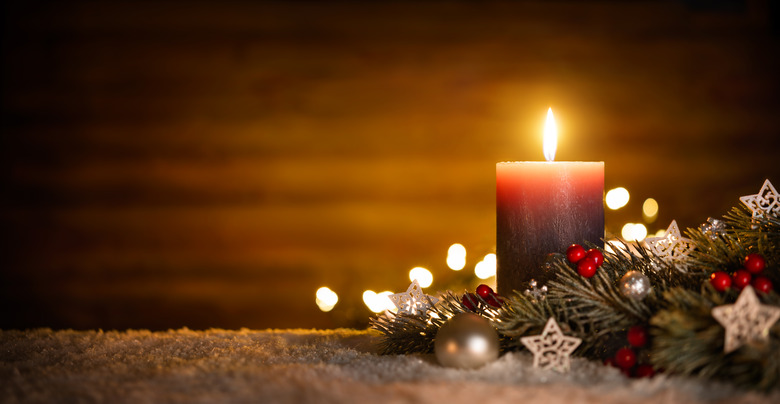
{"points": [[466, 341]]}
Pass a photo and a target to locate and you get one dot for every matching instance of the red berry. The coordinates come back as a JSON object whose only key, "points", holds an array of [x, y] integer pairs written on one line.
{"points": [[644, 371], [754, 263], [720, 281], [625, 358], [762, 284], [596, 256], [586, 268], [741, 278], [494, 300], [469, 300], [575, 253], [637, 336], [484, 291]]}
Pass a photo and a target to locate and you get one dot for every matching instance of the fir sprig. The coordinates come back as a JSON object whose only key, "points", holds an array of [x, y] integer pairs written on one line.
{"points": [[686, 339]]}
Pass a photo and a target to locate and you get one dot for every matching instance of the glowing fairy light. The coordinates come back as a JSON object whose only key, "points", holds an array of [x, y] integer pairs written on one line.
{"points": [[617, 198], [650, 209], [326, 299], [487, 267], [378, 302], [423, 276], [634, 232], [456, 257]]}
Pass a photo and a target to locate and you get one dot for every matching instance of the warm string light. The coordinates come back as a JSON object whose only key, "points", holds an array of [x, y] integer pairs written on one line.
{"points": [[326, 299], [617, 198], [487, 267], [456, 257], [422, 275], [378, 302]]}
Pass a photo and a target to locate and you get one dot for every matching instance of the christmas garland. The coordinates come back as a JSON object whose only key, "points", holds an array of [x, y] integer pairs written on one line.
{"points": [[700, 305]]}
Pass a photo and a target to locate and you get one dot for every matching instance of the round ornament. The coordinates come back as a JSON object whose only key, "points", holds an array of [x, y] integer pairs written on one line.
{"points": [[644, 371], [469, 300], [720, 281], [484, 291], [625, 358], [574, 253], [596, 256], [755, 263], [741, 278], [762, 284], [586, 268], [466, 341], [637, 336], [635, 285]]}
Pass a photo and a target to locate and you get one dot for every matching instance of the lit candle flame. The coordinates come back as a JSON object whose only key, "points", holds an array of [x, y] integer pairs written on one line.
{"points": [[550, 137]]}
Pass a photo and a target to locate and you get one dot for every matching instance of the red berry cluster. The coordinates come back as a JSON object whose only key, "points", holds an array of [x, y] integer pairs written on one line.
{"points": [[587, 261], [625, 358], [486, 294], [754, 264]]}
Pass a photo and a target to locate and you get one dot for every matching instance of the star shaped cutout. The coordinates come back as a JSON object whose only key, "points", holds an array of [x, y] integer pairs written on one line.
{"points": [[672, 247], [413, 301], [551, 349], [746, 320], [767, 200]]}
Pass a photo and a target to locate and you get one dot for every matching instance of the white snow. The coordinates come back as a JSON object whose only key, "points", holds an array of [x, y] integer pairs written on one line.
{"points": [[301, 366]]}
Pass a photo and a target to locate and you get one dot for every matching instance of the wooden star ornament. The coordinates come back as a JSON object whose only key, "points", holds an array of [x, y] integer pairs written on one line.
{"points": [[746, 320], [672, 247], [552, 349], [413, 301], [767, 200]]}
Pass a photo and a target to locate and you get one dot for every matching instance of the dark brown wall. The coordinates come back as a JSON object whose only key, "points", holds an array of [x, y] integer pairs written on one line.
{"points": [[203, 164]]}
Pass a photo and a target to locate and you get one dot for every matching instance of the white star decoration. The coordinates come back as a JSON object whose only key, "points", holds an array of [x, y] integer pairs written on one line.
{"points": [[746, 320], [413, 301], [551, 349], [672, 247], [767, 200]]}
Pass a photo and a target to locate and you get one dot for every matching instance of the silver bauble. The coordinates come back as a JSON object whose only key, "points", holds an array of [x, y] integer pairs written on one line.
{"points": [[466, 341], [635, 285]]}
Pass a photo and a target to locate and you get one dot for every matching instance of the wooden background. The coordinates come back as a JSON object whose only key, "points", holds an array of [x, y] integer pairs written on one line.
{"points": [[211, 164]]}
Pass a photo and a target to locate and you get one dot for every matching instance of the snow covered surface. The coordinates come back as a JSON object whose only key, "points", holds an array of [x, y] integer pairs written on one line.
{"points": [[301, 366]]}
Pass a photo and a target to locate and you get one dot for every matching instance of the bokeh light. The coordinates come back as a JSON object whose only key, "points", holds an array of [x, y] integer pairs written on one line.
{"points": [[634, 232], [326, 299], [423, 276], [650, 210], [456, 257], [617, 198], [487, 267], [378, 302]]}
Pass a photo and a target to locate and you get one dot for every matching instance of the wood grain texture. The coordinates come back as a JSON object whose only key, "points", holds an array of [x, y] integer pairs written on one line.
{"points": [[211, 164]]}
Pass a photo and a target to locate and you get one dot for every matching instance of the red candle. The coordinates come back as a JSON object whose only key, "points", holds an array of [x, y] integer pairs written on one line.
{"points": [[542, 208]]}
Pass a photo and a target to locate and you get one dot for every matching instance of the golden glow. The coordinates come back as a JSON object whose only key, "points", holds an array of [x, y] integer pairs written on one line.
{"points": [[617, 198], [650, 209], [487, 267], [423, 276], [634, 232], [550, 137], [456, 257], [378, 302], [326, 299]]}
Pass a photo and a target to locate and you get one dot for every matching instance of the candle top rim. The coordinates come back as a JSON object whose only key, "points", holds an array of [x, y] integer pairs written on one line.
{"points": [[549, 162]]}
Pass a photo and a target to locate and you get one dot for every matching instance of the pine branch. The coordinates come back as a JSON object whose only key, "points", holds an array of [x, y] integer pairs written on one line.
{"points": [[686, 338], [405, 333]]}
